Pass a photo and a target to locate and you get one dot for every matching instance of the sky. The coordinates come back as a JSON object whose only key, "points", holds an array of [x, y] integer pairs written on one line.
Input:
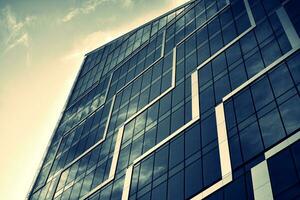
{"points": [[42, 44]]}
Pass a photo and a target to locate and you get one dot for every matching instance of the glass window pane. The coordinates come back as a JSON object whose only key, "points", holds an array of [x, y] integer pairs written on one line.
{"points": [[211, 163], [176, 187], [251, 141], [271, 128], [290, 112], [176, 151], [161, 162], [193, 178], [282, 171], [262, 93], [243, 105], [192, 140], [146, 172], [208, 130], [254, 64]]}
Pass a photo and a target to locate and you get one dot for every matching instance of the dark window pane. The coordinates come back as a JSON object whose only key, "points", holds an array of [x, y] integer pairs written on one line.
{"points": [[290, 112], [222, 88], [243, 105], [146, 172], [271, 128], [211, 167], [282, 171], [262, 93], [177, 119], [205, 74], [235, 152], [281, 80], [219, 64], [207, 99], [233, 53], [193, 178], [192, 140], [238, 76], [294, 66], [160, 192], [254, 64], [208, 130], [163, 129], [161, 162], [270, 52], [251, 141], [236, 190], [176, 187], [176, 151]]}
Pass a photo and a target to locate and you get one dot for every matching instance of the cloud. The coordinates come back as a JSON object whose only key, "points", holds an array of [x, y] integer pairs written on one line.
{"points": [[101, 37], [85, 8], [90, 6], [15, 31]]}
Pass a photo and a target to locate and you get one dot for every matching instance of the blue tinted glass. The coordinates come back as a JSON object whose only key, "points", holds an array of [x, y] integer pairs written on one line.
{"points": [[208, 130], [254, 64], [191, 62], [161, 162], [165, 104], [219, 64], [207, 99], [270, 56], [242, 23], [263, 31], [233, 53], [177, 119], [192, 140], [216, 43], [152, 114], [123, 158], [136, 148], [160, 192], [176, 152], [282, 171], [178, 94], [248, 42], [190, 44], [211, 167], [222, 88], [155, 89], [290, 112], [235, 151], [176, 187], [150, 137], [146, 172], [229, 114], [163, 129], [296, 155], [236, 190], [202, 36], [193, 178], [229, 33], [205, 74], [262, 93], [238, 76], [271, 128], [117, 189], [203, 53], [251, 141], [243, 105], [294, 66], [281, 80]]}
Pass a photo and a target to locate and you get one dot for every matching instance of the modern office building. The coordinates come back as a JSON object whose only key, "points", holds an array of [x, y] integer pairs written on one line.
{"points": [[200, 103]]}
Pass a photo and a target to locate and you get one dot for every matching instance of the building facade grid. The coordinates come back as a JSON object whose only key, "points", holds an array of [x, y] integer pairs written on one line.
{"points": [[200, 103]]}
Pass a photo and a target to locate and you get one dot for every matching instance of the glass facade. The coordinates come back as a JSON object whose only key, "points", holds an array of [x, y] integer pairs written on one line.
{"points": [[202, 102]]}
